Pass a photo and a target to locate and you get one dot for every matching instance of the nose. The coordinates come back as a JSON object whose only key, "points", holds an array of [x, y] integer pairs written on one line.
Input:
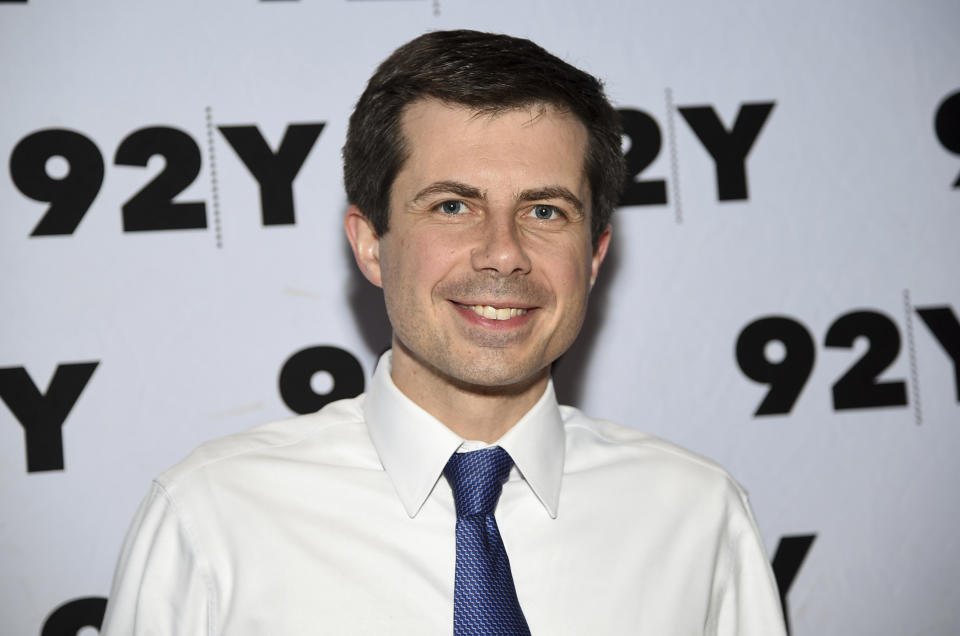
{"points": [[500, 251]]}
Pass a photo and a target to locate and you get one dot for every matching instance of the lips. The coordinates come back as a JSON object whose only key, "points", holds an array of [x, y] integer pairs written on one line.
{"points": [[506, 301]]}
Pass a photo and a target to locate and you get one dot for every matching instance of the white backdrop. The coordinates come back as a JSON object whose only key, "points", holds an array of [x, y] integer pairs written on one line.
{"points": [[836, 129]]}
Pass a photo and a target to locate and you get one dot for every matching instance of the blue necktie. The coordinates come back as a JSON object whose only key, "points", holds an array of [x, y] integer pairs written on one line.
{"points": [[484, 599]]}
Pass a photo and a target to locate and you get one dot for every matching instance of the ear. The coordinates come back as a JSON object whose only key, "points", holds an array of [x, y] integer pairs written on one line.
{"points": [[599, 253], [365, 243]]}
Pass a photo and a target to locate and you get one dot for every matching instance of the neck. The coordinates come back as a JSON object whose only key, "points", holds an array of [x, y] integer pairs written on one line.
{"points": [[471, 411]]}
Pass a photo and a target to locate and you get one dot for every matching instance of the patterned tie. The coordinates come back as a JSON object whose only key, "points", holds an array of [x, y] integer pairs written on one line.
{"points": [[484, 599]]}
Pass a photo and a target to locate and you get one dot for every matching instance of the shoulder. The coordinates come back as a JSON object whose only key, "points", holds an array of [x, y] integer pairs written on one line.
{"points": [[637, 457], [330, 435]]}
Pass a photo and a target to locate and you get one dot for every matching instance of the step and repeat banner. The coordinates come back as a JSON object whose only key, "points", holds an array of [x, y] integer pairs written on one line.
{"points": [[782, 293]]}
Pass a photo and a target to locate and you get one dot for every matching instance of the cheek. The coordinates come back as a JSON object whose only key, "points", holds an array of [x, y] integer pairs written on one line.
{"points": [[570, 273], [414, 265]]}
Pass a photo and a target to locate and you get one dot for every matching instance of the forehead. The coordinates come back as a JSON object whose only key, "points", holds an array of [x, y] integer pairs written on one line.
{"points": [[536, 141]]}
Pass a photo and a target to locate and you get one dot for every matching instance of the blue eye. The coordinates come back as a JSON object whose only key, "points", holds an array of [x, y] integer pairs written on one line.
{"points": [[452, 207], [545, 212]]}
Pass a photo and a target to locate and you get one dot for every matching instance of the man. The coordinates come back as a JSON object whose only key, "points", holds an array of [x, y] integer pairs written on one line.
{"points": [[482, 173]]}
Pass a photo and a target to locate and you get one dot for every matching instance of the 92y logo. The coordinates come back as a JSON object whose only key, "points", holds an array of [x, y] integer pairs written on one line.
{"points": [[858, 387], [946, 124], [728, 147], [152, 208]]}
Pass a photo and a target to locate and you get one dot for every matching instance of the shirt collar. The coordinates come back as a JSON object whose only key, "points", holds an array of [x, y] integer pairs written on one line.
{"points": [[414, 446]]}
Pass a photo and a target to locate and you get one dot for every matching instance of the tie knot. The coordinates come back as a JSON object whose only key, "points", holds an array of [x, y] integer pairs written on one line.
{"points": [[477, 478]]}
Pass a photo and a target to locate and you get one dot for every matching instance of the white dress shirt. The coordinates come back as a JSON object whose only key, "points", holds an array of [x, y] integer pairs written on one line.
{"points": [[340, 522]]}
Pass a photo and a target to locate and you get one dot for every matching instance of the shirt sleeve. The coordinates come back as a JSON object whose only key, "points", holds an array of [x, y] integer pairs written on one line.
{"points": [[161, 586], [745, 600]]}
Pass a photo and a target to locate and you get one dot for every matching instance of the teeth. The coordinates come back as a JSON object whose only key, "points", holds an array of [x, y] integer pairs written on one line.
{"points": [[493, 313]]}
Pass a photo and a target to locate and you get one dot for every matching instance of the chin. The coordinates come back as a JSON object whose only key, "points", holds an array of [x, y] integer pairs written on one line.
{"points": [[497, 375]]}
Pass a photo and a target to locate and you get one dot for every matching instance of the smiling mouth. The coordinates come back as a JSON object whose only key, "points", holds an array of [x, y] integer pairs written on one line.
{"points": [[494, 313]]}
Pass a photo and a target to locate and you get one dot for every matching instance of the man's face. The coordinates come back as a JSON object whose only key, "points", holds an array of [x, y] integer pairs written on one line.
{"points": [[488, 261]]}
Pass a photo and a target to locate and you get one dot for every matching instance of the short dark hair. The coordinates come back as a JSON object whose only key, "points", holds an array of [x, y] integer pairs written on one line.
{"points": [[487, 72]]}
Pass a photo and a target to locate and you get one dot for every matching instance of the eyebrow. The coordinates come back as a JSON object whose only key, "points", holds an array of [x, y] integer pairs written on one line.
{"points": [[470, 192], [450, 187]]}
